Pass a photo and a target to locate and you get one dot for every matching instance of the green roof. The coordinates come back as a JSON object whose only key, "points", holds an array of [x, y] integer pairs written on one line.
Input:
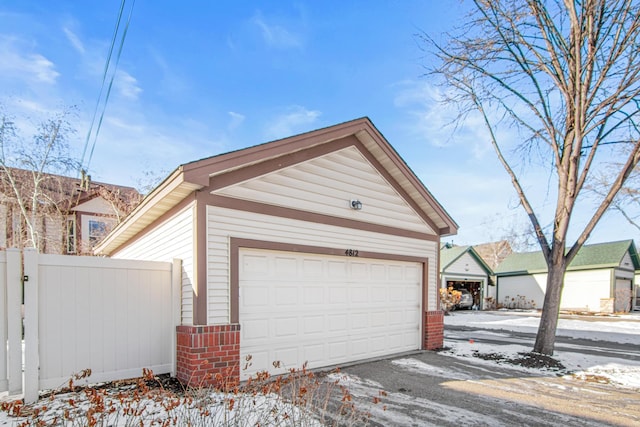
{"points": [[601, 255], [448, 255]]}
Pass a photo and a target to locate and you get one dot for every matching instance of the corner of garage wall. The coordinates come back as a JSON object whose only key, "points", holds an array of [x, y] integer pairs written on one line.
{"points": [[433, 330]]}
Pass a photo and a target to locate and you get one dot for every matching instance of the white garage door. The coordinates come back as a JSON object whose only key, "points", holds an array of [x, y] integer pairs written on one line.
{"points": [[325, 310]]}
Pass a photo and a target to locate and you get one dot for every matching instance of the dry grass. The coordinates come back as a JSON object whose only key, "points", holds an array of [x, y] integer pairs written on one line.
{"points": [[299, 398]]}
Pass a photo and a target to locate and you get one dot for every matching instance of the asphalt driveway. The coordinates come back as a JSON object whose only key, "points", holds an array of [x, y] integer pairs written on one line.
{"points": [[431, 389]]}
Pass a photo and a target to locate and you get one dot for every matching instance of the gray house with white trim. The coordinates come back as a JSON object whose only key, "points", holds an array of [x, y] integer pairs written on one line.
{"points": [[462, 268]]}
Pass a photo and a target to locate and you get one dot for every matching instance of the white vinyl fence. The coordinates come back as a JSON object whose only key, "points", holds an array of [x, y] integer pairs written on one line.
{"points": [[112, 316]]}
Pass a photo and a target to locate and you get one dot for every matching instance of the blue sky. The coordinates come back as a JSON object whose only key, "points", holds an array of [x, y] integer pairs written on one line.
{"points": [[200, 78]]}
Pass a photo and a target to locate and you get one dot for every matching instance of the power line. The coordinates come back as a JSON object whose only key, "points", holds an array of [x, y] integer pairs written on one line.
{"points": [[100, 101]]}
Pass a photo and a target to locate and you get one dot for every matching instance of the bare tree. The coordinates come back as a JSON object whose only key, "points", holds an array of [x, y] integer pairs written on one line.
{"points": [[627, 201], [25, 168], [562, 78]]}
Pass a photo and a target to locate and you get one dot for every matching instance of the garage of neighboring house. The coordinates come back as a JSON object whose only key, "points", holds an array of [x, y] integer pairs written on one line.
{"points": [[321, 248], [462, 268], [599, 279]]}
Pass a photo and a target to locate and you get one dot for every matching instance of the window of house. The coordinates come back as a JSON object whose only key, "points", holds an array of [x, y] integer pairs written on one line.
{"points": [[71, 235], [97, 230]]}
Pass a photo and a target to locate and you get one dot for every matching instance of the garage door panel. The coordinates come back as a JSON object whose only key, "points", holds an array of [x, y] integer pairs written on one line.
{"points": [[286, 327], [313, 295], [325, 310], [285, 266], [255, 266], [313, 324], [284, 296], [337, 322], [254, 330], [313, 354], [337, 295], [360, 348], [287, 356], [358, 295], [337, 350], [359, 321], [359, 271], [255, 296]]}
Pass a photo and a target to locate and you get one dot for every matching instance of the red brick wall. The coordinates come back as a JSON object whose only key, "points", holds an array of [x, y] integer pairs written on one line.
{"points": [[208, 355], [433, 330]]}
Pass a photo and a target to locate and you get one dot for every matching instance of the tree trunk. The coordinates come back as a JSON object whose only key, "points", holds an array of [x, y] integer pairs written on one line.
{"points": [[546, 338]]}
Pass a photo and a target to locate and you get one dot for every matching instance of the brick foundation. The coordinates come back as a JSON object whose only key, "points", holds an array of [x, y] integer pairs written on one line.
{"points": [[208, 355], [433, 330]]}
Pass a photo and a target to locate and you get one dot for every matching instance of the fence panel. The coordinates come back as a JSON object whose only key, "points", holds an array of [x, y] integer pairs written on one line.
{"points": [[112, 316], [4, 377]]}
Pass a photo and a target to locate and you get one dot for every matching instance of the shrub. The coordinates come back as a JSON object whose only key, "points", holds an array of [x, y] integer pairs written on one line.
{"points": [[300, 398], [449, 298]]}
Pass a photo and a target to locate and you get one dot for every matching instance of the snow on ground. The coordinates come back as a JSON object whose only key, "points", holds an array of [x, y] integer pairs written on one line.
{"points": [[616, 371], [623, 330], [579, 366]]}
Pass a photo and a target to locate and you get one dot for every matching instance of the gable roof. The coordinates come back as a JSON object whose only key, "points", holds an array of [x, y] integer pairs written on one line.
{"points": [[590, 257], [63, 191], [202, 173], [449, 255]]}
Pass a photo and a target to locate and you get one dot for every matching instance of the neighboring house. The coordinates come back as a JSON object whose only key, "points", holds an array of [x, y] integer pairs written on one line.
{"points": [[599, 279], [73, 214], [321, 248], [493, 253], [462, 268]]}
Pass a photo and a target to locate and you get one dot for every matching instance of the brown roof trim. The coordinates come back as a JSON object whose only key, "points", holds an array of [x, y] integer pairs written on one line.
{"points": [[199, 171], [393, 155], [245, 174], [261, 208], [196, 175]]}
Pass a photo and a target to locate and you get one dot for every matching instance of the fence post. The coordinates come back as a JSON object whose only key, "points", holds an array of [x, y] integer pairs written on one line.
{"points": [[31, 309], [14, 321], [176, 309]]}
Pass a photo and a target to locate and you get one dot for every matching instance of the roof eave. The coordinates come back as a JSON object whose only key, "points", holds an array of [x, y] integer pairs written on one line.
{"points": [[168, 194]]}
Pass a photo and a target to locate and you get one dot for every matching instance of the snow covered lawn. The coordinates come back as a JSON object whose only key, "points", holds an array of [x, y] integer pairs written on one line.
{"points": [[128, 407], [613, 370]]}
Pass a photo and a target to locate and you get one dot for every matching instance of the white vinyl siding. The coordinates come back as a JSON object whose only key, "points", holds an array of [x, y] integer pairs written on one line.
{"points": [[532, 288], [172, 239], [467, 265], [627, 263], [225, 223], [326, 185], [583, 290]]}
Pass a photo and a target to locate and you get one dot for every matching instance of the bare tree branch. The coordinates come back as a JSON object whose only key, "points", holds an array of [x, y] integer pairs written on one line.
{"points": [[565, 76]]}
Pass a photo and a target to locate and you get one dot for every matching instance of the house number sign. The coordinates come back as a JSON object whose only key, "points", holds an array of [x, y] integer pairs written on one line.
{"points": [[351, 252]]}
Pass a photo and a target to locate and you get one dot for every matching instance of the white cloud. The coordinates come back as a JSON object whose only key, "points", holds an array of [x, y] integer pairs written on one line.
{"points": [[275, 35], [28, 67], [74, 40], [435, 122], [236, 120], [296, 119], [127, 85]]}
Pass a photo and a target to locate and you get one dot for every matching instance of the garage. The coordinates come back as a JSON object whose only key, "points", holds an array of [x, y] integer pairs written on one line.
{"points": [[321, 248], [325, 310]]}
